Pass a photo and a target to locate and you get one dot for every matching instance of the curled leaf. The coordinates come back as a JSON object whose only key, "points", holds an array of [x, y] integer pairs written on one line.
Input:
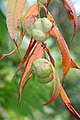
{"points": [[56, 89], [13, 51], [49, 54], [5, 55], [14, 13], [68, 103], [66, 59], [22, 83], [74, 65], [38, 52], [71, 13], [31, 45]]}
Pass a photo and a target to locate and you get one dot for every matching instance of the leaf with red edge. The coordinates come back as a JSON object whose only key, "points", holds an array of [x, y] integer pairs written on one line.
{"points": [[23, 82], [73, 64], [56, 89], [32, 11], [14, 12], [68, 103], [49, 54], [31, 45], [71, 13], [5, 55], [13, 51], [66, 59], [38, 52]]}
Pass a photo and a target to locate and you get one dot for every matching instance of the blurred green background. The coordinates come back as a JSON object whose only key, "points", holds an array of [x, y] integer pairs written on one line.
{"points": [[35, 94]]}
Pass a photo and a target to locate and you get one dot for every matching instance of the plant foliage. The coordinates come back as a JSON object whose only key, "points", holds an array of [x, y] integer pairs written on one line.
{"points": [[37, 49]]}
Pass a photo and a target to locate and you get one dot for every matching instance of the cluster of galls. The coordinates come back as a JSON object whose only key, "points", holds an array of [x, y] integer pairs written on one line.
{"points": [[38, 28]]}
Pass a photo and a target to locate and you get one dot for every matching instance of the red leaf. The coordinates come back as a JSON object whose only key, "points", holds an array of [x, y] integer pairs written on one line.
{"points": [[68, 103], [38, 52], [17, 46], [66, 60], [32, 11], [23, 82], [56, 89], [31, 45], [49, 54], [5, 55], [71, 13], [73, 65]]}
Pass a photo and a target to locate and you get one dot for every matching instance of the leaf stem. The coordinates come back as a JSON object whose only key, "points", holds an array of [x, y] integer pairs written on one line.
{"points": [[38, 8]]}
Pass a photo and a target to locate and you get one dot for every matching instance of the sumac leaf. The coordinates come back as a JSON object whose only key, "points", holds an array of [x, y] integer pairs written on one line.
{"points": [[5, 55], [49, 54], [56, 88], [74, 65], [32, 11], [68, 103], [14, 12], [31, 45], [71, 13], [66, 59], [38, 52], [13, 51]]}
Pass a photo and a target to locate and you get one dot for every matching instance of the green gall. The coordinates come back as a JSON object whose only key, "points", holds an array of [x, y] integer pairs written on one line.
{"points": [[38, 24], [43, 70], [43, 24], [40, 30], [46, 24], [39, 35]]}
